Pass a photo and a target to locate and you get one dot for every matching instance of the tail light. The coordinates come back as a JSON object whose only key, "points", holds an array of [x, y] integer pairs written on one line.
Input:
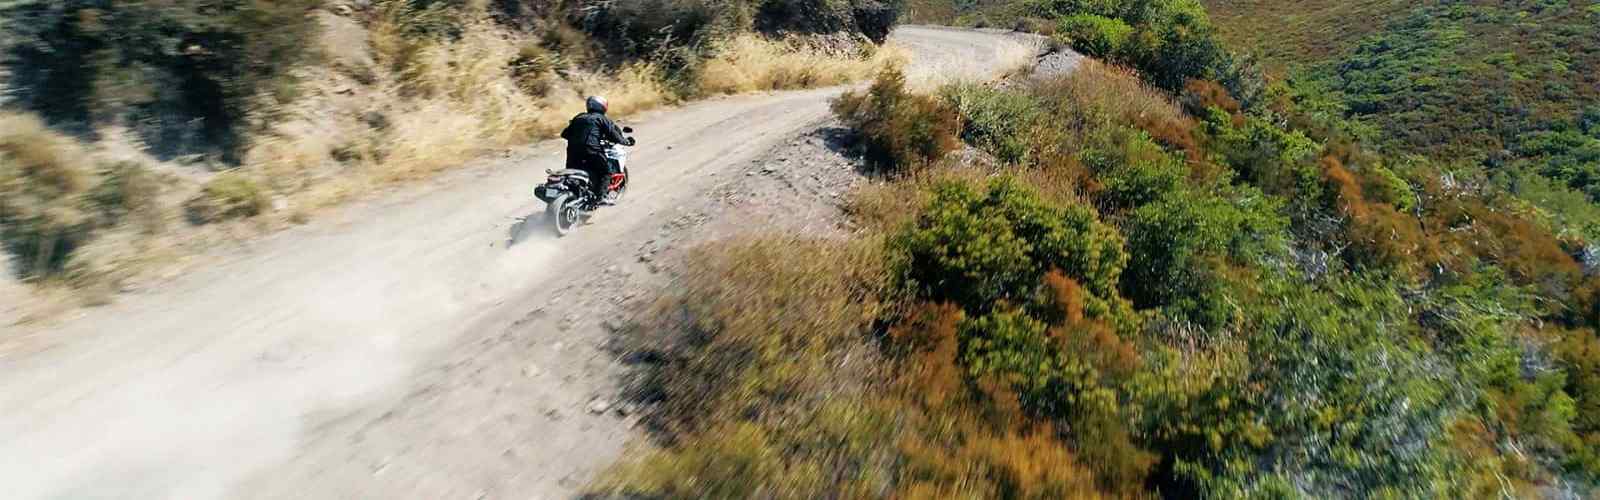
{"points": [[616, 180], [553, 179]]}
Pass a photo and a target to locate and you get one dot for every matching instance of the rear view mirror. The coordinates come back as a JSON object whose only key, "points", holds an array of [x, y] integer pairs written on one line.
{"points": [[627, 130]]}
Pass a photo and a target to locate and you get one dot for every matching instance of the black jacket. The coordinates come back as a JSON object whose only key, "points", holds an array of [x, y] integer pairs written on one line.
{"points": [[588, 133]]}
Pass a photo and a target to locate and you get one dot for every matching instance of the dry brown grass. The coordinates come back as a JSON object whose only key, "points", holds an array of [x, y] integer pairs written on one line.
{"points": [[1099, 97], [750, 63], [764, 373], [442, 105], [1116, 94], [767, 314]]}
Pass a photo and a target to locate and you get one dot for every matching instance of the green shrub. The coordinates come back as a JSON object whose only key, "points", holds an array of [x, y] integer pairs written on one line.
{"points": [[977, 249], [1477, 317], [1132, 170], [1002, 123], [1352, 401], [1177, 45], [1276, 159], [900, 130], [1068, 373], [1386, 186], [1326, 390], [1095, 35], [182, 73], [1183, 246], [1579, 353], [1172, 41], [229, 195]]}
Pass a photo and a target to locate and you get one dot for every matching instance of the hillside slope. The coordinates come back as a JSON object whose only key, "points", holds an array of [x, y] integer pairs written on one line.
{"points": [[1178, 274], [1513, 87], [424, 344]]}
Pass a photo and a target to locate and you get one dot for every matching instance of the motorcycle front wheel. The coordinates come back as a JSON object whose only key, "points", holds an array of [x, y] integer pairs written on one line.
{"points": [[564, 213], [622, 189]]}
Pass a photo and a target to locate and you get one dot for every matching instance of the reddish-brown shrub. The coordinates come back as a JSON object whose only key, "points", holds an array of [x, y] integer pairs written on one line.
{"points": [[900, 130], [1198, 96], [1178, 134], [1090, 339], [927, 345], [1378, 234], [971, 437]]}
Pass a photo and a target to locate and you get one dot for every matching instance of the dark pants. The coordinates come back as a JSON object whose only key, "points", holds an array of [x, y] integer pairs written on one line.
{"points": [[597, 166]]}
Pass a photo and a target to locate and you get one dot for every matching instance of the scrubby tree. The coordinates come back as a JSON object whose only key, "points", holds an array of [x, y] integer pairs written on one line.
{"points": [[899, 129], [183, 74]]}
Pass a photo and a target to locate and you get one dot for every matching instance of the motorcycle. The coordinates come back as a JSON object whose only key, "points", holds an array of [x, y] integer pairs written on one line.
{"points": [[567, 193]]}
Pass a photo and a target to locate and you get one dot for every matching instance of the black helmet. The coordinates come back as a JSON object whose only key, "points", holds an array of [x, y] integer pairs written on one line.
{"points": [[597, 104]]}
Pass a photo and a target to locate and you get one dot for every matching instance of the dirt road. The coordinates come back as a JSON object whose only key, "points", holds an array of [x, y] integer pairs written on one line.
{"points": [[423, 345]]}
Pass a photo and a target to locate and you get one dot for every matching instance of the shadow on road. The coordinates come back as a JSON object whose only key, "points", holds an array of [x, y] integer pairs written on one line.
{"points": [[530, 226], [847, 143]]}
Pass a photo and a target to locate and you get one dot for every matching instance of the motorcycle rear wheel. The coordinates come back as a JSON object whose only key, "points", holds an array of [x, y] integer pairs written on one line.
{"points": [[564, 213]]}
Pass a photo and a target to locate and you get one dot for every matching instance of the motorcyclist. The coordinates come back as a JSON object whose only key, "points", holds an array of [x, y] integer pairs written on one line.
{"points": [[586, 137]]}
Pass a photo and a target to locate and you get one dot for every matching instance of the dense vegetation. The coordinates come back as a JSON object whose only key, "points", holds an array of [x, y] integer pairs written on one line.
{"points": [[1183, 280], [1512, 88]]}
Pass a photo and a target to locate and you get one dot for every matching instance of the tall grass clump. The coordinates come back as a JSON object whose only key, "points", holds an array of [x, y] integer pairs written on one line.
{"points": [[750, 307], [229, 195], [456, 85], [56, 196], [46, 180], [759, 372]]}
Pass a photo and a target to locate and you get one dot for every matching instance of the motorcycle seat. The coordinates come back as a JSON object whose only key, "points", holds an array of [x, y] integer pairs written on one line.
{"points": [[571, 172]]}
